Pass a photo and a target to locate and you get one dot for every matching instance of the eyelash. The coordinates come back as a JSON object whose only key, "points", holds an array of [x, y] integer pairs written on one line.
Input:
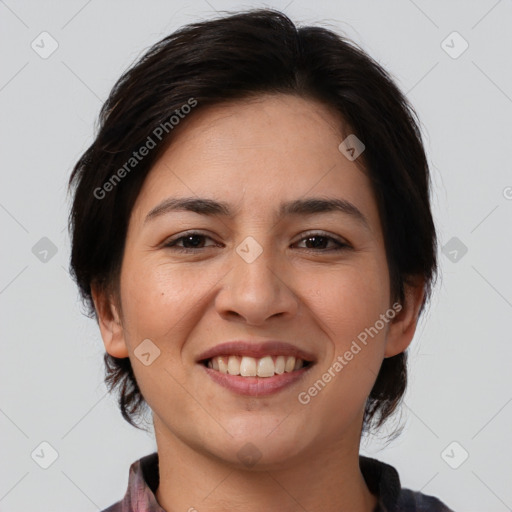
{"points": [[171, 244]]}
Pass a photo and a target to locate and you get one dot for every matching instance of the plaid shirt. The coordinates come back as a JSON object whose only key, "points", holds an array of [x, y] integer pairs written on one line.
{"points": [[381, 478]]}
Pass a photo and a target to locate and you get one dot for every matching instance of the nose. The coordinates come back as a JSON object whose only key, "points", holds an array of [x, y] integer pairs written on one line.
{"points": [[258, 290]]}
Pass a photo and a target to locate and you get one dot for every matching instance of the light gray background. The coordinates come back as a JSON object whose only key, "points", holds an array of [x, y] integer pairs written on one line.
{"points": [[51, 366]]}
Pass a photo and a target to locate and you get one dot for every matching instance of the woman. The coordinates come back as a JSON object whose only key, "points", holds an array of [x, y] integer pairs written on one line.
{"points": [[252, 230]]}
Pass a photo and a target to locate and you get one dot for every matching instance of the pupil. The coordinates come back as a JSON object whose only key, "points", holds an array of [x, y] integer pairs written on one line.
{"points": [[187, 239], [317, 244]]}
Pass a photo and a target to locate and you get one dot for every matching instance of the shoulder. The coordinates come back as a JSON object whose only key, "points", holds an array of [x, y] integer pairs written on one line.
{"points": [[383, 481], [143, 481], [116, 507], [414, 501]]}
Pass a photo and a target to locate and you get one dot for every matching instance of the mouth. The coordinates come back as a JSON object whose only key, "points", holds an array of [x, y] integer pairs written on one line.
{"points": [[256, 369], [264, 367]]}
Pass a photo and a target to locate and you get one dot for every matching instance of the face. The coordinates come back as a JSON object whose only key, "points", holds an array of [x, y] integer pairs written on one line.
{"points": [[310, 277]]}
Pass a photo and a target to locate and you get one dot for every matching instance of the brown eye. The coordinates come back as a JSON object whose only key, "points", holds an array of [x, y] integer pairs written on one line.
{"points": [[320, 242], [188, 242]]}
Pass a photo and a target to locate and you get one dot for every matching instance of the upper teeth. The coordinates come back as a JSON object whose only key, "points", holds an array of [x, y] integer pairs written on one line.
{"points": [[250, 367]]}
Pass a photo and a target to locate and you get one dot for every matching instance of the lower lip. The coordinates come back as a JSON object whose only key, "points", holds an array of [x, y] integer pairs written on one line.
{"points": [[256, 386]]}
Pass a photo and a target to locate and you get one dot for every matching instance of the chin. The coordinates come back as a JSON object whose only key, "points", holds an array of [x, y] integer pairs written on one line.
{"points": [[270, 445]]}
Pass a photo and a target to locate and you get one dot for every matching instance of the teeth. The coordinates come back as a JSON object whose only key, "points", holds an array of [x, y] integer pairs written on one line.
{"points": [[265, 367], [234, 365], [280, 364], [246, 366], [290, 364], [223, 364]]}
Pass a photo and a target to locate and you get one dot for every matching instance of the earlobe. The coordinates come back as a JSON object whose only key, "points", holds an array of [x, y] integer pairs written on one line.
{"points": [[403, 326], [109, 322]]}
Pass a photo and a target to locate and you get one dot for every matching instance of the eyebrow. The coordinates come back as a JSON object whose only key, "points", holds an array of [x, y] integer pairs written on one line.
{"points": [[210, 207]]}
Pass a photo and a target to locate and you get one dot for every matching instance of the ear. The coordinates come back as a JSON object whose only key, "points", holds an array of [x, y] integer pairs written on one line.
{"points": [[109, 322], [403, 326]]}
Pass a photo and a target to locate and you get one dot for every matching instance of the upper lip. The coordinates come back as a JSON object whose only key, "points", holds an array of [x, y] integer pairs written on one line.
{"points": [[256, 349]]}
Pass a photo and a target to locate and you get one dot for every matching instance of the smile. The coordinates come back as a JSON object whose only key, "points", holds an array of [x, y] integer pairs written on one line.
{"points": [[245, 366], [256, 377]]}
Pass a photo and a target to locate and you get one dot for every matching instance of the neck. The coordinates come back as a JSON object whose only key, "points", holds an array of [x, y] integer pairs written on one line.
{"points": [[327, 479]]}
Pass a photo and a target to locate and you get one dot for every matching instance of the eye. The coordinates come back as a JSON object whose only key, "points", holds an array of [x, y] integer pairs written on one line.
{"points": [[318, 240], [191, 242]]}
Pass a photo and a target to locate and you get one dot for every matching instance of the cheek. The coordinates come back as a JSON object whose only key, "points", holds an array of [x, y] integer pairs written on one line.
{"points": [[348, 304], [160, 300], [159, 303], [347, 300], [152, 298]]}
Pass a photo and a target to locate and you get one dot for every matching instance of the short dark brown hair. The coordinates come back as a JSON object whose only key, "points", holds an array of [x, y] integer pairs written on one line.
{"points": [[242, 55]]}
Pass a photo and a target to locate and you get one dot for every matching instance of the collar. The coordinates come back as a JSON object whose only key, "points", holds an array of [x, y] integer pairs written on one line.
{"points": [[381, 479]]}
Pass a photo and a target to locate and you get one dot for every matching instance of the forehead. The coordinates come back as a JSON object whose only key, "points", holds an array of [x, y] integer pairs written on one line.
{"points": [[256, 154], [261, 126]]}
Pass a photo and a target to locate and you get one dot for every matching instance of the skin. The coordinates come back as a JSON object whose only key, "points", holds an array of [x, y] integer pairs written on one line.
{"points": [[254, 155]]}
